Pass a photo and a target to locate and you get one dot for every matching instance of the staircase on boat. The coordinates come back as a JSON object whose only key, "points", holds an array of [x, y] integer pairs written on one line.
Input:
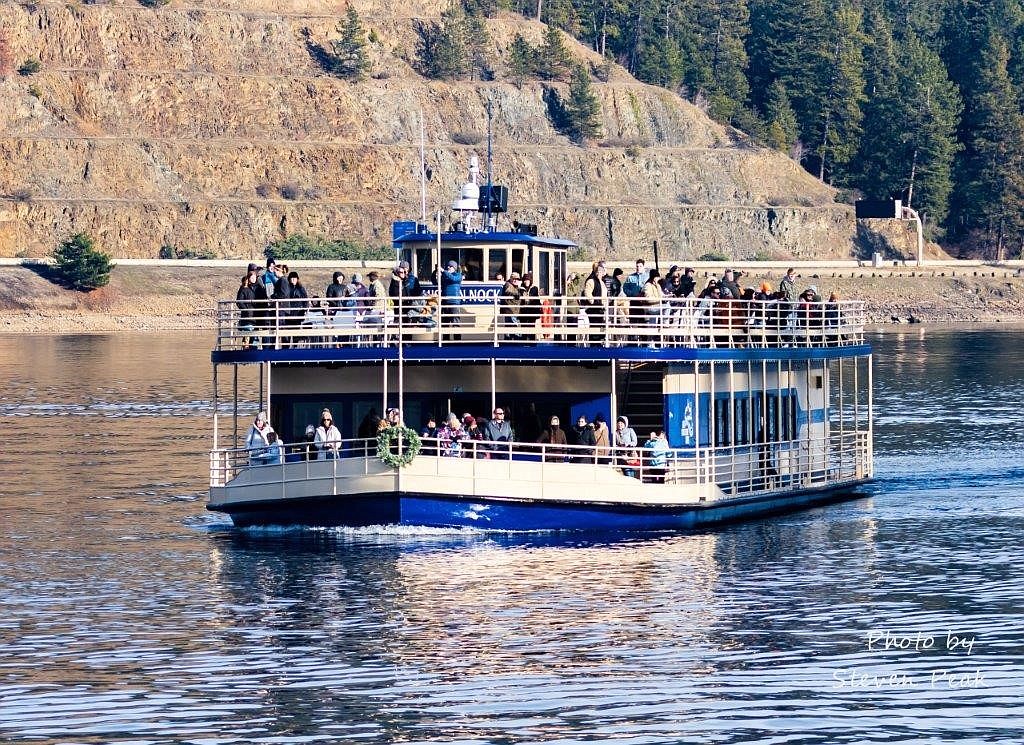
{"points": [[641, 398]]}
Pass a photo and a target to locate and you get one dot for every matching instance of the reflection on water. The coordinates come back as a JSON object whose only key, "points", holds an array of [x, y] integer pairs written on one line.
{"points": [[129, 614]]}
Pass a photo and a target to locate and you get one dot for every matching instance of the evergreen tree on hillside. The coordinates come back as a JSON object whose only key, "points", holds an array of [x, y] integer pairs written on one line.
{"points": [[80, 265], [477, 42], [349, 58], [441, 50], [659, 62], [553, 58], [583, 109], [723, 26], [780, 121], [989, 195], [789, 41], [931, 112], [521, 60], [842, 92], [877, 171]]}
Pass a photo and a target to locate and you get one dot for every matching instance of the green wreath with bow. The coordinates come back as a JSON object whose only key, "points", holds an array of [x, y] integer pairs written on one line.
{"points": [[388, 439]]}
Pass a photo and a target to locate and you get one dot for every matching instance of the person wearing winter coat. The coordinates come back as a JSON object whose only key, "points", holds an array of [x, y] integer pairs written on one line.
{"points": [[245, 299], [328, 438], [601, 438], [275, 451], [450, 437], [498, 430], [335, 293], [554, 435], [625, 446], [594, 294], [583, 437], [256, 441]]}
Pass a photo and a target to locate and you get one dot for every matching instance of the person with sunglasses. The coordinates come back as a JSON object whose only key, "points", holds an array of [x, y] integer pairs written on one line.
{"points": [[328, 438], [497, 432]]}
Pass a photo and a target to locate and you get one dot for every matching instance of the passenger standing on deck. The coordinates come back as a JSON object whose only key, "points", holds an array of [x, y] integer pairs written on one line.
{"points": [[583, 436], [335, 293], [328, 438], [625, 445], [531, 308], [256, 441], [554, 437], [594, 294], [429, 432], [601, 438], [245, 299], [275, 451], [729, 283], [450, 437], [511, 303], [498, 430], [788, 286], [451, 293], [653, 299], [633, 288]]}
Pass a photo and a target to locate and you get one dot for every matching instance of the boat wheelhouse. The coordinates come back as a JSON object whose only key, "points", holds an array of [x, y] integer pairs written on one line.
{"points": [[765, 406]]}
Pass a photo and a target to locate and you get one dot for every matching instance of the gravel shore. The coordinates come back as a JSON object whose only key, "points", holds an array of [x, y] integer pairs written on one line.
{"points": [[166, 298]]}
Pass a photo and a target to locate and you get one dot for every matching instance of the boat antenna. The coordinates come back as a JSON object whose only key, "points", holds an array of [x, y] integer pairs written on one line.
{"points": [[490, 164], [423, 174]]}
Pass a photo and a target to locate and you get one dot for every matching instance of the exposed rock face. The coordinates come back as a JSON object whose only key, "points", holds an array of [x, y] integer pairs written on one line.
{"points": [[209, 126]]}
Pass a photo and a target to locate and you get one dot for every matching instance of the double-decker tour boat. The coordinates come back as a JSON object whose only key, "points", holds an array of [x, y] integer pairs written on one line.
{"points": [[740, 407]]}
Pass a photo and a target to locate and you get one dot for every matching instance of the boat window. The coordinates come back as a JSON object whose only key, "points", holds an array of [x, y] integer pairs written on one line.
{"points": [[470, 261], [558, 283], [497, 264], [722, 422], [781, 417], [519, 262], [740, 427], [424, 265]]}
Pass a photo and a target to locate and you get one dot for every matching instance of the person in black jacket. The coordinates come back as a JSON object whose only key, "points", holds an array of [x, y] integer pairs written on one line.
{"points": [[583, 437], [245, 299], [335, 292], [295, 303]]}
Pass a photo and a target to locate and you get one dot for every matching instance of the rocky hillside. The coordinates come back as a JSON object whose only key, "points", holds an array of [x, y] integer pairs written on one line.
{"points": [[208, 125]]}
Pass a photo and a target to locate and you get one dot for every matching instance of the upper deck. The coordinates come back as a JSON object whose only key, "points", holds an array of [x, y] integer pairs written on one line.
{"points": [[554, 328]]}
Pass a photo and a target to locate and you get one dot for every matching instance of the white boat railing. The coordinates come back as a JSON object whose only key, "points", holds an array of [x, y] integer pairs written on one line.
{"points": [[618, 322], [736, 469]]}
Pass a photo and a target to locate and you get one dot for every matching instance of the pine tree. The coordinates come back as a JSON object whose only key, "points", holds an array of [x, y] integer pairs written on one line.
{"points": [[723, 27], [990, 170], [477, 42], [521, 60], [553, 59], [779, 118], [931, 112], [441, 50], [583, 108], [349, 58], [80, 264], [838, 135], [878, 170]]}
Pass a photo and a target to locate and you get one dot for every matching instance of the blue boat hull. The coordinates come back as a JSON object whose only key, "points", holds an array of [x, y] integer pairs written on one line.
{"points": [[429, 510]]}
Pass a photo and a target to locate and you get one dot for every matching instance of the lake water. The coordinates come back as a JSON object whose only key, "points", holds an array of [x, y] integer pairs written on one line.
{"points": [[128, 614]]}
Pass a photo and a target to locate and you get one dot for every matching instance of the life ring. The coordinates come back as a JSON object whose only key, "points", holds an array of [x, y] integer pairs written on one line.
{"points": [[547, 318], [388, 437]]}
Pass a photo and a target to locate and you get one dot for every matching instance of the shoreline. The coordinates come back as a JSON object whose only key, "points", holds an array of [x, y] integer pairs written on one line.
{"points": [[172, 298]]}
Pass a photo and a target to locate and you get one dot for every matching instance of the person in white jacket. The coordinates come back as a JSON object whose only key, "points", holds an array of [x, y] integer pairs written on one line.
{"points": [[328, 438], [256, 442]]}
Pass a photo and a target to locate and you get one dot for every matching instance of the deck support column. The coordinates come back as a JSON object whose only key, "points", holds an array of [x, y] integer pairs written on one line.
{"points": [[494, 386], [613, 407], [234, 387], [215, 406]]}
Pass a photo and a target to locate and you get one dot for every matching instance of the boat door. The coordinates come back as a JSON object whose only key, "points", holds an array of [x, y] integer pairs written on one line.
{"points": [[542, 269]]}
